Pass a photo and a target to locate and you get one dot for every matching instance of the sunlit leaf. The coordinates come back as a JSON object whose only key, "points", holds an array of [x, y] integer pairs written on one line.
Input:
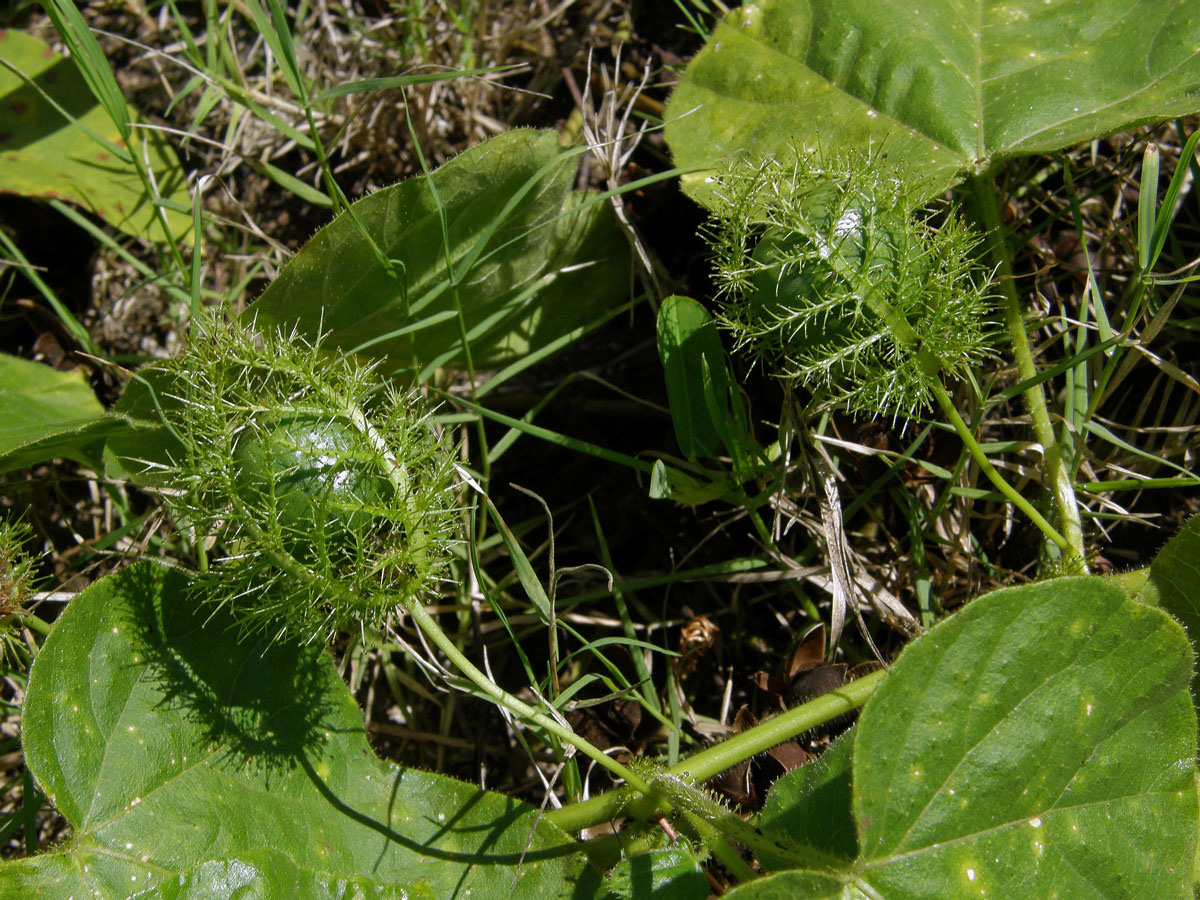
{"points": [[182, 757], [44, 154], [948, 87], [529, 262], [1039, 743], [46, 414]]}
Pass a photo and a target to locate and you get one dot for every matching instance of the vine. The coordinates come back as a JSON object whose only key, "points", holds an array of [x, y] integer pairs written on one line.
{"points": [[680, 793]]}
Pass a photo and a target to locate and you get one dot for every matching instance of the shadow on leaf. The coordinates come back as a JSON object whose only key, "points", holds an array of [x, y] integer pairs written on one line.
{"points": [[261, 701]]}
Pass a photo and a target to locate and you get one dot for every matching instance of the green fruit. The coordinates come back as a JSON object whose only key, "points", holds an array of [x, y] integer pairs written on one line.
{"points": [[316, 476], [807, 284], [782, 290]]}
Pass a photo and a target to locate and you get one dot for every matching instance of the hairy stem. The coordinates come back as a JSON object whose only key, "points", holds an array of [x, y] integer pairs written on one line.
{"points": [[1057, 479], [985, 465], [1056, 473], [729, 857], [434, 632], [1070, 543], [716, 759], [399, 478], [27, 620], [713, 819]]}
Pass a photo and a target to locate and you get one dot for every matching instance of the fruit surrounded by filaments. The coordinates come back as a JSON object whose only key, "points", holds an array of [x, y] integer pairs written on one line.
{"points": [[310, 472]]}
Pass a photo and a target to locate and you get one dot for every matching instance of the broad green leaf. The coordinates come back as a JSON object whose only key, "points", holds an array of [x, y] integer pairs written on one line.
{"points": [[687, 336], [46, 414], [810, 805], [1039, 743], [1175, 577], [659, 875], [44, 154], [796, 885], [147, 445], [181, 756], [947, 87], [531, 263], [268, 874]]}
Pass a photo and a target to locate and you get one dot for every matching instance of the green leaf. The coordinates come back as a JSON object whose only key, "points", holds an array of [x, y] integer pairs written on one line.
{"points": [[687, 337], [43, 153], [1040, 743], [269, 874], [1174, 582], [146, 445], [530, 260], [794, 885], [46, 414], [178, 754], [660, 481], [810, 805], [1174, 579], [947, 86], [667, 483], [659, 875], [524, 568]]}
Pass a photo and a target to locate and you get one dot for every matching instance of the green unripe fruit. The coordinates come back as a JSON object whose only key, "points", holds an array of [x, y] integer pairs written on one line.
{"points": [[844, 239], [835, 277], [320, 498], [310, 473], [781, 287]]}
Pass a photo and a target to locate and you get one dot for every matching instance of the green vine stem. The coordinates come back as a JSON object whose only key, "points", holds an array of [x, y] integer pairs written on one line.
{"points": [[28, 620], [434, 632], [399, 477], [716, 759], [931, 367], [985, 466], [1057, 478], [729, 857]]}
